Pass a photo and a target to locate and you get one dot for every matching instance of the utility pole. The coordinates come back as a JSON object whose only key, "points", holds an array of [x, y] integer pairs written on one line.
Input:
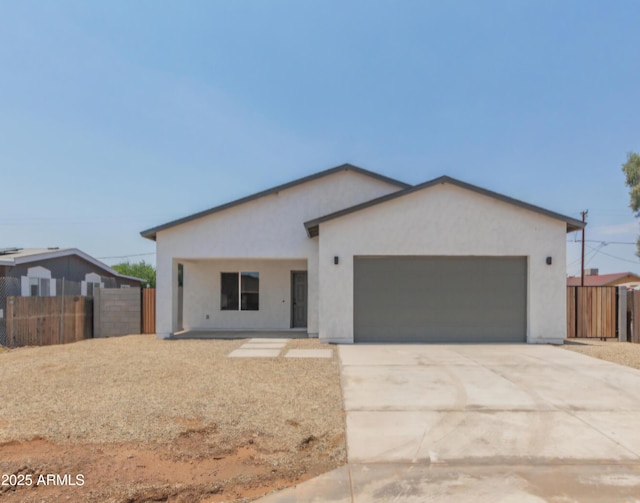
{"points": [[584, 216]]}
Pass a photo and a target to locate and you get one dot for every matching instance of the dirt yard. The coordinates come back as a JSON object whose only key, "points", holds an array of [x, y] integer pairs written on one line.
{"points": [[136, 419], [623, 353]]}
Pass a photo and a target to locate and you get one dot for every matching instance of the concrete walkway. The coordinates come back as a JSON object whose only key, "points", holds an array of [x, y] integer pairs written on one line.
{"points": [[272, 348], [519, 423]]}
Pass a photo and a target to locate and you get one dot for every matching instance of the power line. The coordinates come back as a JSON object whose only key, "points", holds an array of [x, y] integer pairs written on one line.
{"points": [[589, 254], [613, 256], [601, 241], [593, 255]]}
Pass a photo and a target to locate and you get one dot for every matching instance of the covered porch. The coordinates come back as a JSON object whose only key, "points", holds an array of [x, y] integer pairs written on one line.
{"points": [[226, 298]]}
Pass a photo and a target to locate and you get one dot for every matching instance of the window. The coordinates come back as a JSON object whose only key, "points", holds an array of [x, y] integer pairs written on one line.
{"points": [[91, 287], [229, 291], [34, 288], [249, 291], [90, 283], [39, 287], [239, 291]]}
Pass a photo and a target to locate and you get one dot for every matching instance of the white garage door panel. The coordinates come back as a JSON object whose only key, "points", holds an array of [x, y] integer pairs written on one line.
{"points": [[440, 299]]}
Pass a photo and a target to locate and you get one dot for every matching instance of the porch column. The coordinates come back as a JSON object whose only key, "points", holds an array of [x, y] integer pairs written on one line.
{"points": [[313, 287], [166, 296]]}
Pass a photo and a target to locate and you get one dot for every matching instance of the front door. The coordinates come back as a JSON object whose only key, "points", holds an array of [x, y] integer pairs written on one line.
{"points": [[298, 299]]}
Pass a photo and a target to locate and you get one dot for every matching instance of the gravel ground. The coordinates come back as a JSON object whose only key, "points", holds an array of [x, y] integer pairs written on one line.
{"points": [[141, 389], [623, 353]]}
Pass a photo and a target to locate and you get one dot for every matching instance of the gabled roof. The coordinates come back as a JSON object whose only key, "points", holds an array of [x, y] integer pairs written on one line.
{"points": [[15, 256], [151, 233], [312, 226], [604, 279]]}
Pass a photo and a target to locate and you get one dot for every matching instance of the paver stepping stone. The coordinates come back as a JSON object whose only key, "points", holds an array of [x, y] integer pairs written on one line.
{"points": [[254, 353], [263, 345], [309, 353]]}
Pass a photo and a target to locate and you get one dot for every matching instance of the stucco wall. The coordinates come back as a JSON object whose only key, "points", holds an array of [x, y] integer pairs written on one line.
{"points": [[202, 294], [266, 228], [445, 220]]}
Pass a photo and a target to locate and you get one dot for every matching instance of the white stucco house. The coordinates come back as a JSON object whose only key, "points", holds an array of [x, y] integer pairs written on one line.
{"points": [[348, 255]]}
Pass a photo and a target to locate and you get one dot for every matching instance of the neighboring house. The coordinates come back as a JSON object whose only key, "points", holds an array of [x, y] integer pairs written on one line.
{"points": [[354, 256], [36, 270], [592, 278]]}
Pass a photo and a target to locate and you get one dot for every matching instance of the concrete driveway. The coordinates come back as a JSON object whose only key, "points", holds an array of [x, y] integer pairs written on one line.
{"points": [[508, 423]]}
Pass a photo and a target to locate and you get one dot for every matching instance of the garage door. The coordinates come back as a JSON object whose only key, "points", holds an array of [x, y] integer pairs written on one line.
{"points": [[440, 299]]}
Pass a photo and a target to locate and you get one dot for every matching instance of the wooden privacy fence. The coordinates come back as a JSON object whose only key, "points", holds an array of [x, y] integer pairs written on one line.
{"points": [[148, 310], [41, 321], [592, 311], [633, 315]]}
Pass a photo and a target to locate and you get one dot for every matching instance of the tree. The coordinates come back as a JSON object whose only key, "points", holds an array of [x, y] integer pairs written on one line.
{"points": [[142, 270], [631, 169]]}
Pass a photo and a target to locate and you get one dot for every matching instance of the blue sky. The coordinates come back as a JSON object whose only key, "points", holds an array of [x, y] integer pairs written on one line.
{"points": [[118, 116]]}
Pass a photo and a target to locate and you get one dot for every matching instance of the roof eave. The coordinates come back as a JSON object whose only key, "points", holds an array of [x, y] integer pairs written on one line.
{"points": [[70, 251], [149, 234], [152, 232], [132, 278], [576, 225], [312, 230], [572, 223]]}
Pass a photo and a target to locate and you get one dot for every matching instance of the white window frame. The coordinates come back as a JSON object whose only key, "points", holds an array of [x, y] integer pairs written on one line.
{"points": [[92, 279], [38, 276]]}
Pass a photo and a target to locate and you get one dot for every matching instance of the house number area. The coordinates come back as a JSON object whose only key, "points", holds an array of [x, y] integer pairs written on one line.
{"points": [[43, 479]]}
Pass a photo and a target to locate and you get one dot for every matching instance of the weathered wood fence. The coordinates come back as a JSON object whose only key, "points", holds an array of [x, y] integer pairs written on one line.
{"points": [[41, 321], [603, 312], [633, 316], [592, 311], [148, 310]]}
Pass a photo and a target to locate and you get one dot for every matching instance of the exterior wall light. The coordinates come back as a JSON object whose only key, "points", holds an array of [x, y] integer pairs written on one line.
{"points": [[549, 260], [336, 260]]}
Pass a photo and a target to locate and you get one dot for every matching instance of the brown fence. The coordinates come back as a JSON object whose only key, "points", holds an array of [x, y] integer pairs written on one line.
{"points": [[633, 315], [148, 310], [40, 321], [592, 311]]}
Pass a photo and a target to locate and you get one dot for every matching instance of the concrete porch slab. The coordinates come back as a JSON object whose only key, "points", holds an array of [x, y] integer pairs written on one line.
{"points": [[241, 334], [268, 340]]}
